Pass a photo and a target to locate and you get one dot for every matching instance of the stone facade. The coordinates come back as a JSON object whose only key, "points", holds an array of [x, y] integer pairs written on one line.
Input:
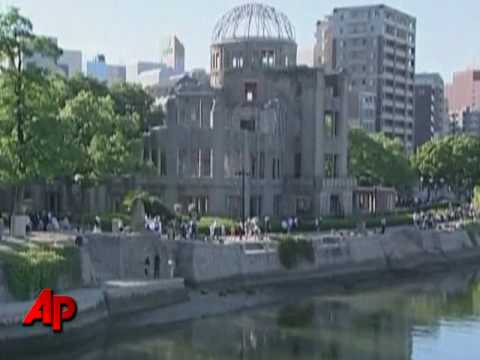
{"points": [[281, 125]]}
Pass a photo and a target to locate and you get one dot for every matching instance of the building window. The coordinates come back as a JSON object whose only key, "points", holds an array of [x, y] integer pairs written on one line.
{"points": [[250, 92], [237, 62], [200, 203], [298, 165], [181, 162], [232, 163], [195, 162], [275, 168], [268, 58], [262, 165], [303, 206], [256, 206], [234, 206], [331, 166], [163, 162], [206, 162], [216, 60], [276, 205], [330, 125], [155, 159], [253, 166]]}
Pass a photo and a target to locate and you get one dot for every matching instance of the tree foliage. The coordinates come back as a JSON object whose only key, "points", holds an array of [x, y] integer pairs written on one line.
{"points": [[52, 127], [133, 99], [453, 160], [100, 142], [28, 101], [378, 160]]}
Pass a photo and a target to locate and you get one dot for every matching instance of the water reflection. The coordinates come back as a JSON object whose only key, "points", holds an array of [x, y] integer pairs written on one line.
{"points": [[434, 318]]}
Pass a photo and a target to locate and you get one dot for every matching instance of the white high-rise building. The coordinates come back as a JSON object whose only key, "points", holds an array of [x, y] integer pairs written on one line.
{"points": [[376, 46], [173, 54], [134, 70]]}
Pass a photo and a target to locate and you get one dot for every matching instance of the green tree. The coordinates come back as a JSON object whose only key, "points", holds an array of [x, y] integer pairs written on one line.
{"points": [[378, 160], [132, 99], [80, 82], [29, 141], [453, 160], [101, 142]]}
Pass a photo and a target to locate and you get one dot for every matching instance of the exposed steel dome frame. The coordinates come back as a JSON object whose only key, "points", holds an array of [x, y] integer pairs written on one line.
{"points": [[253, 20]]}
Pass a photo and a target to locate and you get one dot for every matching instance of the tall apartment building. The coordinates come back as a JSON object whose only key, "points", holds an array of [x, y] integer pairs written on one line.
{"points": [[464, 91], [430, 116], [376, 46], [470, 121]]}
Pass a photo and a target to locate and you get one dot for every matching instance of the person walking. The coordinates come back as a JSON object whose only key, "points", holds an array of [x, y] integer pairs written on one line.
{"points": [[156, 267], [147, 266], [383, 225]]}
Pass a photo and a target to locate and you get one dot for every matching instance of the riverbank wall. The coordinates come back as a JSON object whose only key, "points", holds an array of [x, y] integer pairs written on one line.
{"points": [[398, 250], [120, 288], [114, 257]]}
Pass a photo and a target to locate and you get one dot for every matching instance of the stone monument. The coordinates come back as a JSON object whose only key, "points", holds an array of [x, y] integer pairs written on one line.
{"points": [[138, 215]]}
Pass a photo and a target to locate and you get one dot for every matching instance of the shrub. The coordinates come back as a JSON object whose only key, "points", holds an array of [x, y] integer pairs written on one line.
{"points": [[106, 220], [476, 197], [291, 251], [473, 231], [204, 224], [296, 316], [30, 270], [153, 204]]}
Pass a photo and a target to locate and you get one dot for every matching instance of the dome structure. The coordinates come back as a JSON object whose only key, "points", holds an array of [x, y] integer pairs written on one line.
{"points": [[253, 21]]}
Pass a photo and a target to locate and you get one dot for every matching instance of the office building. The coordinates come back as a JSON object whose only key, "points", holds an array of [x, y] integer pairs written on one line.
{"points": [[470, 122], [134, 70], [375, 45], [172, 54], [430, 117], [464, 91], [116, 74], [97, 68], [110, 74], [70, 62]]}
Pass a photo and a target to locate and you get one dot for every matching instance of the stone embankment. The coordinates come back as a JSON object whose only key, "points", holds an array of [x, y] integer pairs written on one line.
{"points": [[120, 281]]}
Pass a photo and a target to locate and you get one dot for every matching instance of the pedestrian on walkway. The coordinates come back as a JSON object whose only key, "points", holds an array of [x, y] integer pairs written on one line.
{"points": [[156, 267], [383, 225], [147, 266]]}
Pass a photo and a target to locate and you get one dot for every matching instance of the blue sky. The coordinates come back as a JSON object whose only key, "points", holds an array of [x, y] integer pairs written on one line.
{"points": [[130, 30]]}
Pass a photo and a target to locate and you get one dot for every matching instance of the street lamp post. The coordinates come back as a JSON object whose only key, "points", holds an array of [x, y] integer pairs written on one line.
{"points": [[246, 126], [243, 173]]}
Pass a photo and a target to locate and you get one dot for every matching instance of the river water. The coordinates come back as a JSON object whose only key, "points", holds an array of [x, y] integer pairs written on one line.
{"points": [[433, 318]]}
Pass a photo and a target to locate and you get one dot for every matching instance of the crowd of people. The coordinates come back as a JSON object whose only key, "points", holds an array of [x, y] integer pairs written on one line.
{"points": [[47, 221], [425, 220]]}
